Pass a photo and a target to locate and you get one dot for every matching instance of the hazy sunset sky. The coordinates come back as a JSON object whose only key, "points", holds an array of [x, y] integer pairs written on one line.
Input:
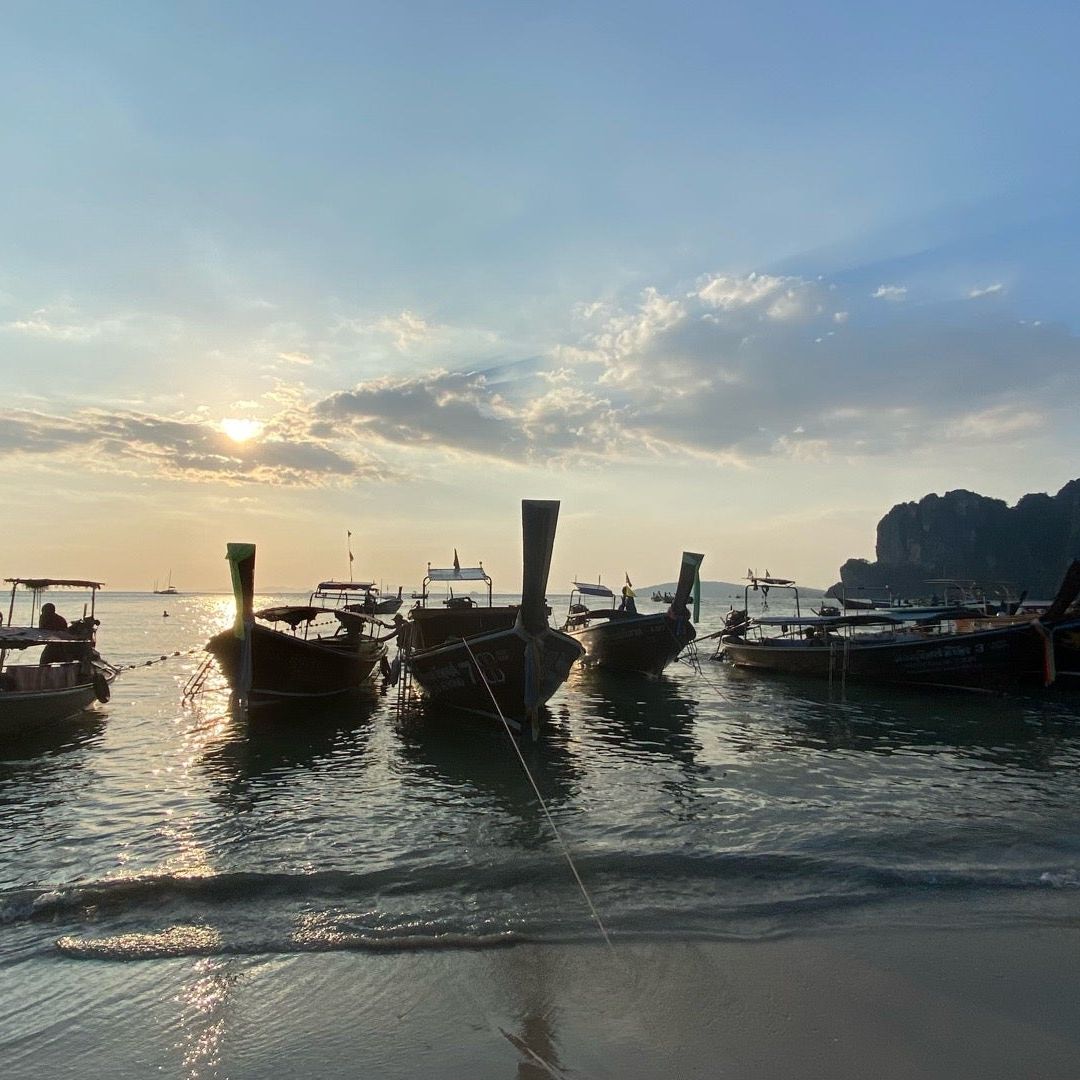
{"points": [[732, 278]]}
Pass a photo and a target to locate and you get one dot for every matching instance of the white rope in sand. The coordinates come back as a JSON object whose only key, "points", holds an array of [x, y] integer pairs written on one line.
{"points": [[540, 798]]}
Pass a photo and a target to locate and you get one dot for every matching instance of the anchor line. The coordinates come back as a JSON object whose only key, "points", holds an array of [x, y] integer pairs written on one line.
{"points": [[540, 799]]}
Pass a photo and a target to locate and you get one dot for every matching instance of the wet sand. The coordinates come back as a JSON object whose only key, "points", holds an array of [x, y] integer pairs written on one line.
{"points": [[895, 1004]]}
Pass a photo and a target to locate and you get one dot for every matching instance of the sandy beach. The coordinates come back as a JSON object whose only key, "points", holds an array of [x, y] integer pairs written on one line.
{"points": [[894, 1005]]}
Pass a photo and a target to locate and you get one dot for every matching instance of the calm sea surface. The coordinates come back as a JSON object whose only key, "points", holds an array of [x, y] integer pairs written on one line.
{"points": [[154, 854]]}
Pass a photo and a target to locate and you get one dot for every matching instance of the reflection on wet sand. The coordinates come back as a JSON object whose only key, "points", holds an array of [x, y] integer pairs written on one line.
{"points": [[536, 1013]]}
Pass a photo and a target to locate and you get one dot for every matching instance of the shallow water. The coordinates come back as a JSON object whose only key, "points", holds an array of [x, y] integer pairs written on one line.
{"points": [[710, 805]]}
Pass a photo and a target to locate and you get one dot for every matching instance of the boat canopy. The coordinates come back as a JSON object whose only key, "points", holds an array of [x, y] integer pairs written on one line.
{"points": [[464, 573], [587, 589], [25, 637], [344, 586], [293, 614], [877, 618], [49, 583], [826, 620]]}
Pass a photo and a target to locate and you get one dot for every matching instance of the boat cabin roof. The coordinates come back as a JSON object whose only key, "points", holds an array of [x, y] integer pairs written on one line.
{"points": [[50, 583], [25, 637], [345, 586], [895, 617], [827, 620], [588, 589], [462, 573], [293, 614]]}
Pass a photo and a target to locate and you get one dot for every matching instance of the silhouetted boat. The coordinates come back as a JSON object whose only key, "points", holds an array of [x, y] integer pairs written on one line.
{"points": [[169, 590], [69, 675], [491, 659], [626, 640], [362, 597], [263, 664], [955, 647]]}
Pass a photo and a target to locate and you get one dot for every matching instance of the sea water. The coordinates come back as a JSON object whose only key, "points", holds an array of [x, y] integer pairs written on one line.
{"points": [[185, 892]]}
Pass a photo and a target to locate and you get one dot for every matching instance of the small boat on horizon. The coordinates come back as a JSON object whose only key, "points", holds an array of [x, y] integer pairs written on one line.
{"points": [[70, 674], [169, 590]]}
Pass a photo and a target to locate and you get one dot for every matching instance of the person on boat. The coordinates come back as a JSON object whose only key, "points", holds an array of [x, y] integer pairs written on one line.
{"points": [[628, 603], [51, 619]]}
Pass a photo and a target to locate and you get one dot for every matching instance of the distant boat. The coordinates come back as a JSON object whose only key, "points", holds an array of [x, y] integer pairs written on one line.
{"points": [[622, 639], [169, 589], [69, 676], [659, 597]]}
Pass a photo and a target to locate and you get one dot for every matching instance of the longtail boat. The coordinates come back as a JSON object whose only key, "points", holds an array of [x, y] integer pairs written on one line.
{"points": [[326, 652], [955, 648], [623, 639], [495, 660], [67, 676]]}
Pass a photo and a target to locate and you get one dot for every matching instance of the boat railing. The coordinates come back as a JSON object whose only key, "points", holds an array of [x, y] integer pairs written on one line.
{"points": [[578, 611], [450, 575]]}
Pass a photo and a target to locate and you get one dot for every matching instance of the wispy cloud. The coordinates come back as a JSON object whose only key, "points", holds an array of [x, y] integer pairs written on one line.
{"points": [[989, 290], [736, 370], [191, 448], [890, 292]]}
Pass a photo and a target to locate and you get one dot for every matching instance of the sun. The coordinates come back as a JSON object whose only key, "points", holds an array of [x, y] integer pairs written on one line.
{"points": [[240, 430]]}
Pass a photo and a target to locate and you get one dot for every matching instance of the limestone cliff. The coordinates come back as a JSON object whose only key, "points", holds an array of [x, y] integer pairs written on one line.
{"points": [[967, 536]]}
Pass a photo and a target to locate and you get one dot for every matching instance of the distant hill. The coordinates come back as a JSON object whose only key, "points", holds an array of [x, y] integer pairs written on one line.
{"points": [[713, 590], [966, 536]]}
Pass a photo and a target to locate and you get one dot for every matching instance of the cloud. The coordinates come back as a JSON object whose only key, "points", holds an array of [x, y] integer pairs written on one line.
{"points": [[890, 292], [989, 290], [192, 448], [729, 372], [65, 323], [736, 370], [412, 334]]}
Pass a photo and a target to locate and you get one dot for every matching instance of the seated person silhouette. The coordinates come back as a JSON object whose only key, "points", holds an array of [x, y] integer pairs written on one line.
{"points": [[51, 619]]}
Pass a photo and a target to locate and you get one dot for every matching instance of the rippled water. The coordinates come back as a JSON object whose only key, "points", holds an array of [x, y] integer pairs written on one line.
{"points": [[710, 804]]}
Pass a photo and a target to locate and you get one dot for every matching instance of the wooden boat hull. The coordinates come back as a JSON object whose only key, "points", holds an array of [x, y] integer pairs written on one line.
{"points": [[25, 711], [634, 643], [983, 659], [287, 668], [519, 669]]}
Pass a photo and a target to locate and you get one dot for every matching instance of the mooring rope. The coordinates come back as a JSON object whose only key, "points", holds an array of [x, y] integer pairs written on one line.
{"points": [[157, 659], [540, 798]]}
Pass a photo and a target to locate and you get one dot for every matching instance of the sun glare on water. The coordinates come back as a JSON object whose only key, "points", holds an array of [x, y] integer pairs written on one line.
{"points": [[240, 430]]}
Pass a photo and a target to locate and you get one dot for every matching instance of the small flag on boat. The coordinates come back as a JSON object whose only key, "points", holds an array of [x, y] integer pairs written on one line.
{"points": [[457, 565], [629, 583]]}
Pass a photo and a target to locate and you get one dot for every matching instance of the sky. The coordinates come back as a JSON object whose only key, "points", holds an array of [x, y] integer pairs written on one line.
{"points": [[720, 277]]}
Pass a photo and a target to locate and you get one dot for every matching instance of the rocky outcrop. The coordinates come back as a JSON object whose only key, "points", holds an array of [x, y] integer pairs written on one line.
{"points": [[966, 536]]}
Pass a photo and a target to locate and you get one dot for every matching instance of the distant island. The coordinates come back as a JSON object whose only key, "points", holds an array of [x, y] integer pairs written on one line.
{"points": [[969, 537], [713, 590]]}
